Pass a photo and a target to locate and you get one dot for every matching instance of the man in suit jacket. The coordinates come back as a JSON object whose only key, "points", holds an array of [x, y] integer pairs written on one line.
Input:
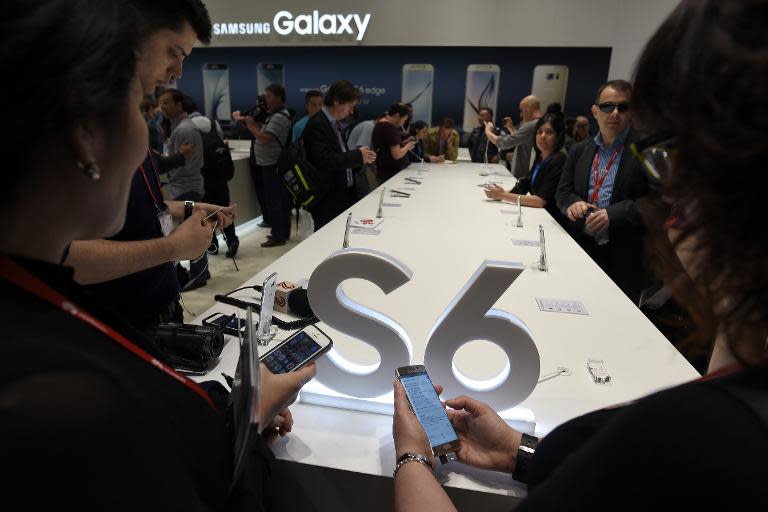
{"points": [[601, 188], [328, 152]]}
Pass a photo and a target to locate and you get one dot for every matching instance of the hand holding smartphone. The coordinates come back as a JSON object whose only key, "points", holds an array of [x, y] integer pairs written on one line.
{"points": [[425, 403], [297, 351]]}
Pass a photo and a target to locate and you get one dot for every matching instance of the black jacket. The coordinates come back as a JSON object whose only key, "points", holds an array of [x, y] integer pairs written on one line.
{"points": [[329, 158], [622, 257]]}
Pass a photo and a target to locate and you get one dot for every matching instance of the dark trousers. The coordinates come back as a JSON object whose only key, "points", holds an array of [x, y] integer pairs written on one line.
{"points": [[331, 206], [198, 269], [278, 203], [218, 194], [257, 175]]}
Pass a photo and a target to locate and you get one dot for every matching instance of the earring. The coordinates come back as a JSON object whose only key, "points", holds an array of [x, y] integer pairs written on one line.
{"points": [[90, 169]]}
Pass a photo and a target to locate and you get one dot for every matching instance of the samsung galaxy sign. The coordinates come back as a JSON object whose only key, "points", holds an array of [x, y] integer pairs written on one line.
{"points": [[285, 24]]}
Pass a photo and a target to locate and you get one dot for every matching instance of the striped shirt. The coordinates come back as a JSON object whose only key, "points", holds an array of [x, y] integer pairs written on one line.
{"points": [[606, 189]]}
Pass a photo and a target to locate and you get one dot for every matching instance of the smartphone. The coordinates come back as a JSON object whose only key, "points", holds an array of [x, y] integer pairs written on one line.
{"points": [[267, 74], [300, 349], [418, 80], [267, 304], [425, 403], [216, 92], [230, 324], [550, 83], [482, 90]]}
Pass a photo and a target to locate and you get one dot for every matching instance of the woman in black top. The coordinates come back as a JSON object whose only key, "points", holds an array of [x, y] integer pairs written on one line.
{"points": [[700, 445], [538, 188], [90, 417]]}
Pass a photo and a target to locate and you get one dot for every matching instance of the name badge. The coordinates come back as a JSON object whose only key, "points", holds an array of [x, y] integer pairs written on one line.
{"points": [[166, 222]]}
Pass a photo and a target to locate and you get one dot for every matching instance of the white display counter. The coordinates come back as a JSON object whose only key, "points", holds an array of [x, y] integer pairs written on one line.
{"points": [[444, 232]]}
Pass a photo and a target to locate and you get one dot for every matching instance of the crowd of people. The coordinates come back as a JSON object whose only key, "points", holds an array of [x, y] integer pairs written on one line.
{"points": [[91, 413]]}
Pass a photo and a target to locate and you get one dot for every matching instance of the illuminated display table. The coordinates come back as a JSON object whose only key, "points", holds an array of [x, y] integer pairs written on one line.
{"points": [[444, 232]]}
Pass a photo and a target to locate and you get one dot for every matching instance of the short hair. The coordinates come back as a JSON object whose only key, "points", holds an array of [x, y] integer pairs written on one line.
{"points": [[417, 127], [155, 15], [558, 126], [398, 109], [619, 85], [342, 91], [278, 90], [88, 73], [447, 122], [554, 108], [314, 93], [489, 109], [187, 103]]}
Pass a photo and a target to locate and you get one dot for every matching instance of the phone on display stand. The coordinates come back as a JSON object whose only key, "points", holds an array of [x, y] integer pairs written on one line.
{"points": [[265, 331], [550, 83], [482, 90], [216, 92], [424, 402], [230, 324], [268, 74], [418, 80], [297, 351]]}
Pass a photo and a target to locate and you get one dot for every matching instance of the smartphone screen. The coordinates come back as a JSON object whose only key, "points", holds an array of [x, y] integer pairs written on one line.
{"points": [[426, 404], [292, 354], [216, 92], [226, 321], [482, 90], [417, 90]]}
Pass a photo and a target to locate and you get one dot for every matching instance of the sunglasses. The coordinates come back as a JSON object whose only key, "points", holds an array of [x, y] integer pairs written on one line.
{"points": [[656, 153], [608, 107]]}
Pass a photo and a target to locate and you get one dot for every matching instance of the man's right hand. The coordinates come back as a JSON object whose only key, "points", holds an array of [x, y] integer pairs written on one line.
{"points": [[186, 149], [487, 442], [578, 210], [280, 391], [369, 156], [191, 238]]}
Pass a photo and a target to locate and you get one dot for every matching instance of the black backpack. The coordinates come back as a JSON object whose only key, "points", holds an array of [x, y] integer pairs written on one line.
{"points": [[298, 175], [217, 161]]}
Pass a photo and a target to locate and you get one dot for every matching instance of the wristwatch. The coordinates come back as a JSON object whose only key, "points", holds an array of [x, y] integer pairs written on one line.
{"points": [[188, 206], [525, 453]]}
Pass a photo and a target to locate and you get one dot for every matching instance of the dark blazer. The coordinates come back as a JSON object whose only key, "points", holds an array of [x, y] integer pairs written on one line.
{"points": [[546, 184], [325, 153], [622, 257]]}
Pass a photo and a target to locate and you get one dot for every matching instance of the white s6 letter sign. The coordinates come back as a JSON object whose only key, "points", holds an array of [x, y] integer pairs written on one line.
{"points": [[469, 318], [332, 306]]}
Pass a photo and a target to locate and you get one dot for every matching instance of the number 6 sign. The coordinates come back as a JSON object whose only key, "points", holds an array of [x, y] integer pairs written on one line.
{"points": [[467, 318]]}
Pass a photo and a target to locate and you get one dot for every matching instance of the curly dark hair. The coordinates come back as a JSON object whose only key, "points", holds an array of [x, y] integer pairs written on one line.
{"points": [[702, 77]]}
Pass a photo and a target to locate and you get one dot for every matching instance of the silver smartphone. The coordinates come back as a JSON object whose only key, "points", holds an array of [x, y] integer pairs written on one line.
{"points": [[297, 351], [425, 403]]}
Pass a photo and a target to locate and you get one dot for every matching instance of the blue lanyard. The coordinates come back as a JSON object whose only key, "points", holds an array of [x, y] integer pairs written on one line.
{"points": [[537, 168]]}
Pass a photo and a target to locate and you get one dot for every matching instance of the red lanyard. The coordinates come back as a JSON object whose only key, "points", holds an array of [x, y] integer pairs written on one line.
{"points": [[20, 277], [599, 180], [157, 176]]}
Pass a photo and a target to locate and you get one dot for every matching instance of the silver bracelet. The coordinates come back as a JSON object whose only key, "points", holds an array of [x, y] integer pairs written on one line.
{"points": [[411, 457]]}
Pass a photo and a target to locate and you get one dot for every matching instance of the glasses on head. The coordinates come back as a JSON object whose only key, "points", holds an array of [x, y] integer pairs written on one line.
{"points": [[608, 107], [656, 153]]}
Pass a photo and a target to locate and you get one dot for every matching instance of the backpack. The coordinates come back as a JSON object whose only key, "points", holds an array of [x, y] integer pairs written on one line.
{"points": [[298, 175], [217, 161]]}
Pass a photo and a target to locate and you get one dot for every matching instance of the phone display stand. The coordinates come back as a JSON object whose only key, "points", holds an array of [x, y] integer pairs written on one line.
{"points": [[263, 338]]}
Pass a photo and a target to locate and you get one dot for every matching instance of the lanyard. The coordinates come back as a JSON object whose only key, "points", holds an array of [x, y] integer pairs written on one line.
{"points": [[599, 180], [19, 276], [146, 181], [539, 166]]}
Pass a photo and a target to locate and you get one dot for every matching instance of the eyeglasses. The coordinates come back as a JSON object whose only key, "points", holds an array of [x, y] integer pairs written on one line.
{"points": [[656, 153], [608, 107]]}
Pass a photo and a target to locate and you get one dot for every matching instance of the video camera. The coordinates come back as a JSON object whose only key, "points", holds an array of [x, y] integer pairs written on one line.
{"points": [[260, 112]]}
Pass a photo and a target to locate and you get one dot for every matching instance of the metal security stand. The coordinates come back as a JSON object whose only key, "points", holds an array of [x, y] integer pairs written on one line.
{"points": [[543, 255]]}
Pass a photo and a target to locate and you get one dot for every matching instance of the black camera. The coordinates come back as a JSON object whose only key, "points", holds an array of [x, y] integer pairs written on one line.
{"points": [[260, 112], [188, 347]]}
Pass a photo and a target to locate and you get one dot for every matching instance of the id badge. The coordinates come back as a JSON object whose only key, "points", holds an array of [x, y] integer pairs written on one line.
{"points": [[166, 221]]}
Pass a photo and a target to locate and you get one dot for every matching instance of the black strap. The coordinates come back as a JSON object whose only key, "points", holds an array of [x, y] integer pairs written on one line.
{"points": [[755, 399], [282, 324]]}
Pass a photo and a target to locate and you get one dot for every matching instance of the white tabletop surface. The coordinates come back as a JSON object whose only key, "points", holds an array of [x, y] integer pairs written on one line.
{"points": [[444, 232]]}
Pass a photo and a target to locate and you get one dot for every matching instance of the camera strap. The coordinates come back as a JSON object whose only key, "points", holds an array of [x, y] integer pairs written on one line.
{"points": [[20, 277]]}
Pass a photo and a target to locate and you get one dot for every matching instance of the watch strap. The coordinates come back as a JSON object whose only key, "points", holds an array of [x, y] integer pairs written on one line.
{"points": [[525, 453], [188, 206]]}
